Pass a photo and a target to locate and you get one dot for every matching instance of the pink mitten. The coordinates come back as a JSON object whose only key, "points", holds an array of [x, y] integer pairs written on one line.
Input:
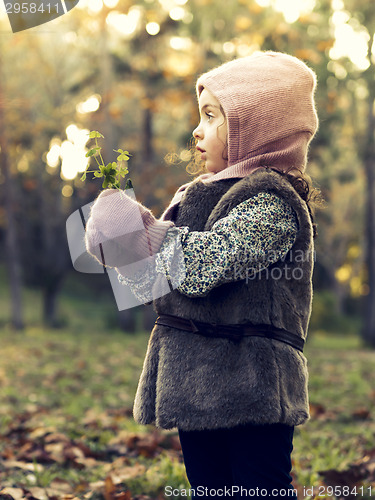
{"points": [[121, 231]]}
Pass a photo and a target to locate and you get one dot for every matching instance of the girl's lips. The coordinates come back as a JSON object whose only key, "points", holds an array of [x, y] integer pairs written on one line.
{"points": [[203, 153]]}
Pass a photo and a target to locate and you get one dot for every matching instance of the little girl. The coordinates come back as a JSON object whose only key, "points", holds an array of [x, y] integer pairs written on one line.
{"points": [[224, 363]]}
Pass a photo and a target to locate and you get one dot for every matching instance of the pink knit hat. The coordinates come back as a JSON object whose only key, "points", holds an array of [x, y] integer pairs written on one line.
{"points": [[268, 99]]}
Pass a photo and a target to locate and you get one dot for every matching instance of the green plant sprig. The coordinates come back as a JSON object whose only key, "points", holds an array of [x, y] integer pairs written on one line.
{"points": [[114, 171]]}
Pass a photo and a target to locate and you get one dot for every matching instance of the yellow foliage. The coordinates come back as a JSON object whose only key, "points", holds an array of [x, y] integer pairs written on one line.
{"points": [[254, 7], [354, 251], [202, 3], [343, 273], [179, 65], [147, 103], [243, 23], [308, 55], [324, 45], [257, 39], [356, 286]]}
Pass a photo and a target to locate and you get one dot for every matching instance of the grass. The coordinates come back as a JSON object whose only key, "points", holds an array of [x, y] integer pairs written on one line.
{"points": [[342, 397], [78, 384]]}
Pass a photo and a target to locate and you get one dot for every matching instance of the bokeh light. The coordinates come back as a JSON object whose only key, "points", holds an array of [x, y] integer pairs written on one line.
{"points": [[53, 155], [67, 191], [125, 24], [95, 5], [90, 105], [71, 152], [291, 9], [177, 13], [349, 42], [153, 28], [110, 3], [180, 43]]}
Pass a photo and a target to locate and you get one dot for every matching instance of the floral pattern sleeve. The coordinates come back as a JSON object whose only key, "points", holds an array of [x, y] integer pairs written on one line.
{"points": [[256, 233]]}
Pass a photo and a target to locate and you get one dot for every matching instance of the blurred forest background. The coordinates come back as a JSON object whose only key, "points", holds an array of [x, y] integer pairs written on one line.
{"points": [[128, 68]]}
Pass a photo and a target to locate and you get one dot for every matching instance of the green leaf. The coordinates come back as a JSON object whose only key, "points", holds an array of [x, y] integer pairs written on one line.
{"points": [[123, 156], [83, 177], [92, 152], [94, 133], [113, 171]]}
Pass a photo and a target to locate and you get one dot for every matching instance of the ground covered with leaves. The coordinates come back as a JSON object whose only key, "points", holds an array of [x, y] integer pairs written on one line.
{"points": [[67, 431]]}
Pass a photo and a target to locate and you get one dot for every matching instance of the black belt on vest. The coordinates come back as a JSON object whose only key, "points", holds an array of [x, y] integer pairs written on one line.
{"points": [[234, 332]]}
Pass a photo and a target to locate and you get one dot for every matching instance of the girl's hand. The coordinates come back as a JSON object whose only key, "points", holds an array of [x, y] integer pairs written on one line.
{"points": [[121, 231]]}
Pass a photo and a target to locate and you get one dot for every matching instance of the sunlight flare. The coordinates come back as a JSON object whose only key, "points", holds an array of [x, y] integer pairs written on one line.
{"points": [[290, 9]]}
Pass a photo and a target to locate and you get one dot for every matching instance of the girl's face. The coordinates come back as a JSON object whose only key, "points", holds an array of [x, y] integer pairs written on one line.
{"points": [[211, 133]]}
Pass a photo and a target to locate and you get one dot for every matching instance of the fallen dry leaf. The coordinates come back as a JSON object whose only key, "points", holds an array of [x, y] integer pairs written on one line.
{"points": [[363, 470], [10, 464], [316, 410], [61, 484], [109, 488], [39, 493], [126, 473], [16, 493], [361, 414]]}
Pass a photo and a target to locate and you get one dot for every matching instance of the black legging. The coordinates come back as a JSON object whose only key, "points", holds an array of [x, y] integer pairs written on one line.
{"points": [[247, 459]]}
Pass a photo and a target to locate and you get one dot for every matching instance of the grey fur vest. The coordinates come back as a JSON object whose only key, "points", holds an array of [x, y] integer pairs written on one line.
{"points": [[194, 382]]}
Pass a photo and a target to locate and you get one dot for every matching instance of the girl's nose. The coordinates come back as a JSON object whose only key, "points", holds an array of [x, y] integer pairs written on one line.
{"points": [[197, 132]]}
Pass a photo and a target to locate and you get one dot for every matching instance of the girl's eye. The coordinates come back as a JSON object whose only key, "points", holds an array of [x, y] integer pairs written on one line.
{"points": [[209, 116]]}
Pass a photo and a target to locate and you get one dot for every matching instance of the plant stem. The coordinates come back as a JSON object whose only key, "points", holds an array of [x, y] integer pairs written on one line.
{"points": [[100, 154]]}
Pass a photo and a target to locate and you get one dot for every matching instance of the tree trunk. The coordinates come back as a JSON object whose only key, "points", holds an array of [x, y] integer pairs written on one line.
{"points": [[147, 150], [12, 254], [50, 295], [338, 289], [369, 164]]}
